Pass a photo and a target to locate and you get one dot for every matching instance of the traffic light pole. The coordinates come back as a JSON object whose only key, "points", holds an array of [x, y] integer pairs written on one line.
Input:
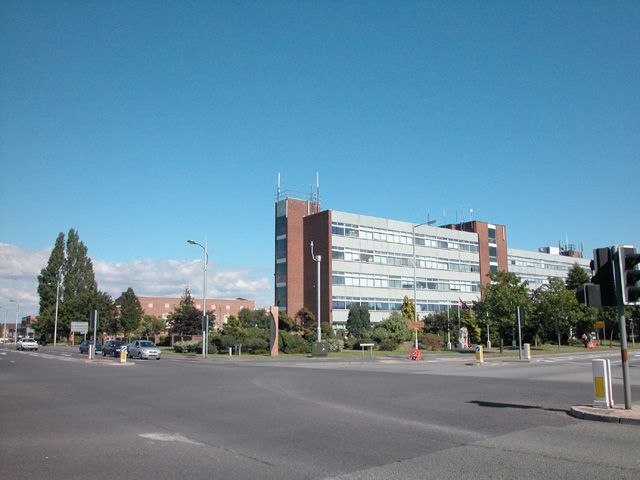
{"points": [[619, 269], [625, 357]]}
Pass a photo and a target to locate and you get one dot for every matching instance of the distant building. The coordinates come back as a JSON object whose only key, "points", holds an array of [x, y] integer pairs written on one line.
{"points": [[537, 267], [370, 260], [164, 306]]}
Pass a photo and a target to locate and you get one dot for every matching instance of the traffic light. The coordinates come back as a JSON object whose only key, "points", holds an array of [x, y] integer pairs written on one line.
{"points": [[589, 295], [629, 274], [602, 265], [601, 292]]}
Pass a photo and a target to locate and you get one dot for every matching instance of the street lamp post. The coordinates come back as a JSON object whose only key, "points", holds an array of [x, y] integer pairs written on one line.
{"points": [[15, 333], [415, 304], [317, 259], [205, 322]]}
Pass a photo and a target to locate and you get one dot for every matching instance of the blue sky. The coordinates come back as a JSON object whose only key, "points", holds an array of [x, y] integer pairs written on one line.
{"points": [[142, 124]]}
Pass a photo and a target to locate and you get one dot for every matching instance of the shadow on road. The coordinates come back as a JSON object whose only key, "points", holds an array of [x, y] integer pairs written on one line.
{"points": [[515, 405]]}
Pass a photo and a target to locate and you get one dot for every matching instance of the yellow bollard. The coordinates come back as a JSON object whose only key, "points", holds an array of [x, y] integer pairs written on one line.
{"points": [[123, 355], [479, 354]]}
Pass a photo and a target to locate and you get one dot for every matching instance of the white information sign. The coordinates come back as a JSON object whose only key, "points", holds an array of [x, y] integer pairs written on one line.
{"points": [[80, 327]]}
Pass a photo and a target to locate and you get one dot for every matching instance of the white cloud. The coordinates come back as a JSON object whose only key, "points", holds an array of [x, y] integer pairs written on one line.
{"points": [[19, 270]]}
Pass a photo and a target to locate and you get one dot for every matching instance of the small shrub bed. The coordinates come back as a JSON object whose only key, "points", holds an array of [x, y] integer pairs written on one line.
{"points": [[187, 347]]}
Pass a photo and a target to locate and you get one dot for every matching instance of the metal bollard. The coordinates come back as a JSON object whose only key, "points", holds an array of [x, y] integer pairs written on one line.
{"points": [[527, 351]]}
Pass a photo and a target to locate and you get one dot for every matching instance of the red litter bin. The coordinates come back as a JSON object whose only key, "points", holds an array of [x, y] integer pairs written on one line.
{"points": [[414, 354]]}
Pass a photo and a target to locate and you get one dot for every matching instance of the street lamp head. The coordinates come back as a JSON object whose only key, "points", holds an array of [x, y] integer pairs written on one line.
{"points": [[191, 242]]}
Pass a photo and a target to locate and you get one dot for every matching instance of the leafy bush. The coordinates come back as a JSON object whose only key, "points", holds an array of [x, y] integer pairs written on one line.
{"points": [[430, 341], [285, 323], [334, 344], [255, 345], [388, 344], [227, 341], [290, 343], [391, 332], [187, 347]]}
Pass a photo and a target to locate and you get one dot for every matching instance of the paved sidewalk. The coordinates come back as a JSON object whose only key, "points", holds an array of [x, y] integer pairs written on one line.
{"points": [[618, 414]]}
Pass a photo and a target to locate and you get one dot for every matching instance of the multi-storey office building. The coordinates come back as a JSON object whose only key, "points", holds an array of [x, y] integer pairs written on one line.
{"points": [[537, 267], [379, 261]]}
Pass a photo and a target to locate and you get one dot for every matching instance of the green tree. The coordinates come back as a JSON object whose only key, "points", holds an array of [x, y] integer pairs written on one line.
{"points": [[48, 288], [103, 303], [500, 298], [186, 319], [78, 268], [556, 310], [130, 312], [233, 327], [254, 318], [408, 309], [285, 322], [78, 290], [151, 325], [438, 324], [358, 321], [392, 331], [306, 318], [79, 284], [577, 277], [262, 319], [246, 318]]}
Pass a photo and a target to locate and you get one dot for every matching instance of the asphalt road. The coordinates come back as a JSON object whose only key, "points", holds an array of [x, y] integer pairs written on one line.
{"points": [[64, 417]]}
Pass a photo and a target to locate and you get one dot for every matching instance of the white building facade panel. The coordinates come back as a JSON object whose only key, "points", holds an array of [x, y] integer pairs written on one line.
{"points": [[373, 263], [537, 267]]}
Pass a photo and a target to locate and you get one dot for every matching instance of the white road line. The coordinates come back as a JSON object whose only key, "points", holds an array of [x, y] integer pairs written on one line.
{"points": [[167, 437]]}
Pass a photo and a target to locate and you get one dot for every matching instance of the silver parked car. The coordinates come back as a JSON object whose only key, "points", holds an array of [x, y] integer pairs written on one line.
{"points": [[143, 349], [27, 344]]}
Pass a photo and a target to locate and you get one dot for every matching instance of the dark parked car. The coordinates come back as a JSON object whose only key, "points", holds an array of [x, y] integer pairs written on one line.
{"points": [[113, 347], [84, 346]]}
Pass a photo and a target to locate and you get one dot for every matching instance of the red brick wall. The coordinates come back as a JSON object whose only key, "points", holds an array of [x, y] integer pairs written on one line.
{"points": [[317, 228], [161, 306], [482, 229], [297, 210]]}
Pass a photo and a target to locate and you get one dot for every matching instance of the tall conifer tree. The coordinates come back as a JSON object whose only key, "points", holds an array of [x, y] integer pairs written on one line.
{"points": [[78, 292], [48, 287], [130, 311]]}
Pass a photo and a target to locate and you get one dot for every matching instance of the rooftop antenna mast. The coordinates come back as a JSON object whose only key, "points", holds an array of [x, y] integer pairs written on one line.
{"points": [[278, 194], [318, 190]]}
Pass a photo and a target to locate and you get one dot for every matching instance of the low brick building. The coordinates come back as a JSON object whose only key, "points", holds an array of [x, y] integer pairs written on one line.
{"points": [[163, 306]]}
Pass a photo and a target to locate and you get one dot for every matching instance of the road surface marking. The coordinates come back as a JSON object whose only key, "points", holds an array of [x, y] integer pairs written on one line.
{"points": [[167, 437]]}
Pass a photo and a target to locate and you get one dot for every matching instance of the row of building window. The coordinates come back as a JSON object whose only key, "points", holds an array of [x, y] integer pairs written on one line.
{"points": [[402, 260], [532, 263], [535, 281], [380, 281], [393, 236], [387, 304]]}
